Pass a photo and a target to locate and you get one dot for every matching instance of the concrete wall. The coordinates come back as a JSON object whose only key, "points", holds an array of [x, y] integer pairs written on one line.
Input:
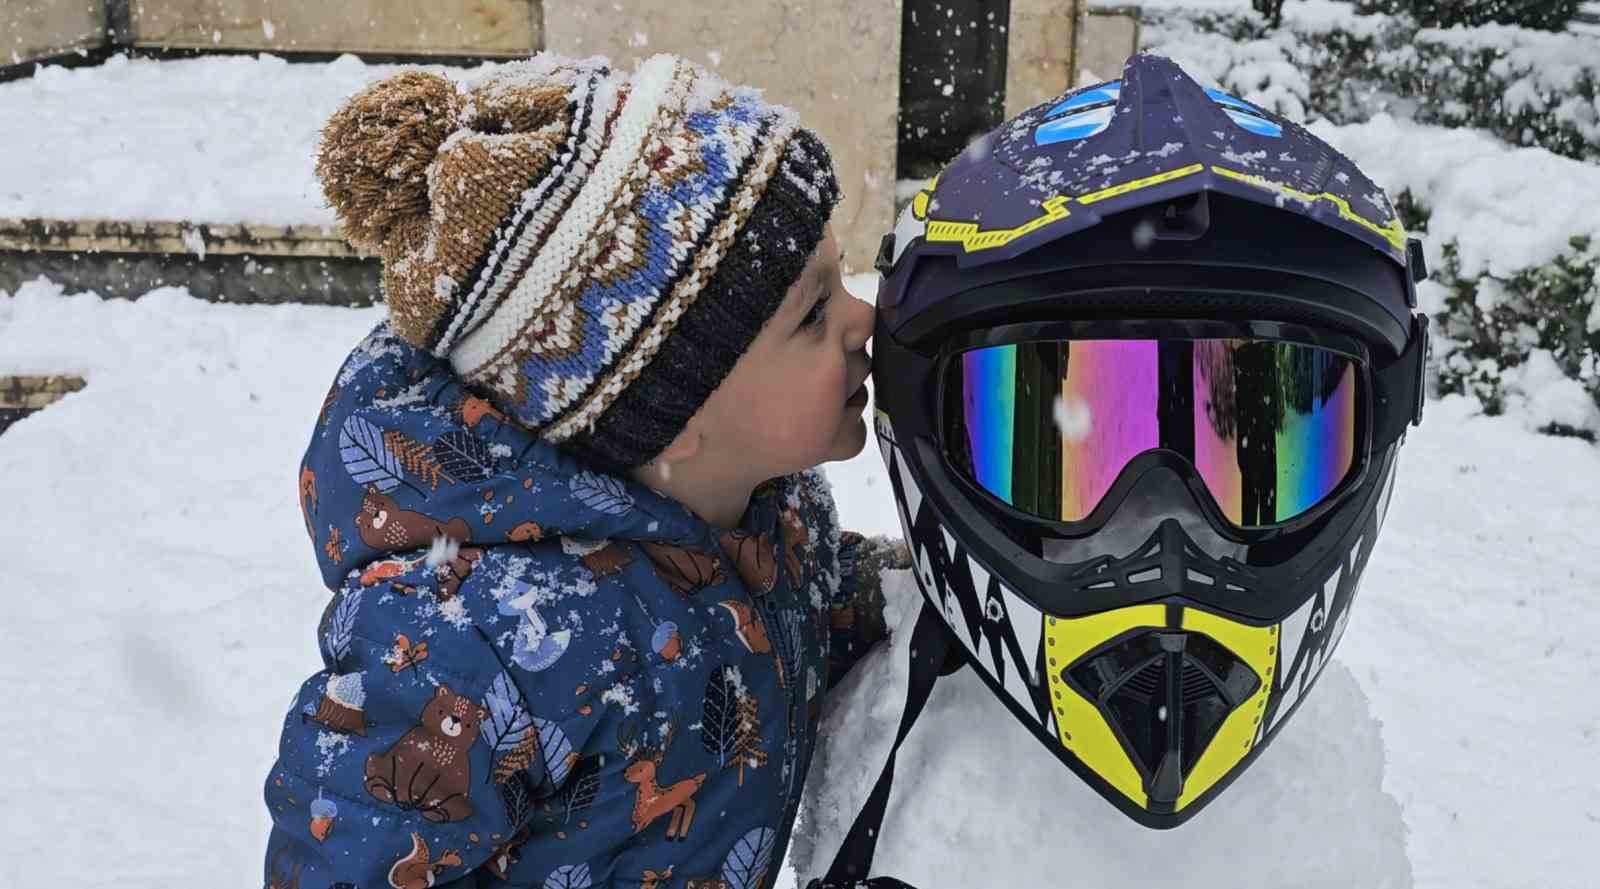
{"points": [[440, 27], [1109, 36], [836, 62], [1041, 51], [36, 29]]}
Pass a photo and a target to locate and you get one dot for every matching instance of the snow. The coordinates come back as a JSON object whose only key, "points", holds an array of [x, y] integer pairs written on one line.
{"points": [[172, 603], [1542, 395], [906, 189], [978, 802], [1535, 71], [211, 139], [1506, 207]]}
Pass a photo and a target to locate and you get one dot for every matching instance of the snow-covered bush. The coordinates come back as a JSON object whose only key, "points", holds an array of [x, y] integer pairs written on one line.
{"points": [[1528, 87], [1532, 336], [1547, 15], [1513, 245]]}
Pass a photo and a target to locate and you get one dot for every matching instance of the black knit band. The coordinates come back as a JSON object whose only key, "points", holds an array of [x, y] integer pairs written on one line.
{"points": [[766, 258]]}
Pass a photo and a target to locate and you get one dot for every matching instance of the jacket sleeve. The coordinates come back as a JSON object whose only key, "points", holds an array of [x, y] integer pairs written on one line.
{"points": [[409, 760], [856, 613]]}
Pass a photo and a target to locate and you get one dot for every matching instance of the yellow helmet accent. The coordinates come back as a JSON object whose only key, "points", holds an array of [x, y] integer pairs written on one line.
{"points": [[919, 204], [1083, 730], [1079, 724], [1258, 648]]}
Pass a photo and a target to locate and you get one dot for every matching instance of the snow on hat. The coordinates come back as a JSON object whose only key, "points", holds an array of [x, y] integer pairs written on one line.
{"points": [[593, 251]]}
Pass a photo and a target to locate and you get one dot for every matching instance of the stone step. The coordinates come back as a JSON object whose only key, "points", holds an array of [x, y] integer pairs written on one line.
{"points": [[21, 395], [239, 262]]}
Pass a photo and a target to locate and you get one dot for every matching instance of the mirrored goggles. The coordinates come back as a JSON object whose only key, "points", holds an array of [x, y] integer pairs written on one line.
{"points": [[1270, 420]]}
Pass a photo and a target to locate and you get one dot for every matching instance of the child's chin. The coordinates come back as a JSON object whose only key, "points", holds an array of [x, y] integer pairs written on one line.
{"points": [[850, 441]]}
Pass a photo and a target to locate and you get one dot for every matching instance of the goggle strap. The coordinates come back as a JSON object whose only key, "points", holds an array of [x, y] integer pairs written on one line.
{"points": [[1398, 388]]}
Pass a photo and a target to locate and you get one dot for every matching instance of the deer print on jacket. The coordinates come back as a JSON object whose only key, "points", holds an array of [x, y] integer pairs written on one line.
{"points": [[652, 800]]}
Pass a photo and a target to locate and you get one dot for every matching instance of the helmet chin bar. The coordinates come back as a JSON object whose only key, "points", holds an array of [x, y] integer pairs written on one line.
{"points": [[1165, 693]]}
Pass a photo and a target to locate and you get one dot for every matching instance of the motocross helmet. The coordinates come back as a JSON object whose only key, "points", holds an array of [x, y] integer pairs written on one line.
{"points": [[1144, 358]]}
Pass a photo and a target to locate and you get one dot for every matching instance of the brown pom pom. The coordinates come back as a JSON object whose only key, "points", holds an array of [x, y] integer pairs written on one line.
{"points": [[375, 152], [517, 108]]}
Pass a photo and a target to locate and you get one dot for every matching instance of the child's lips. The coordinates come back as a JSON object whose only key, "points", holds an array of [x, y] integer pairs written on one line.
{"points": [[858, 397]]}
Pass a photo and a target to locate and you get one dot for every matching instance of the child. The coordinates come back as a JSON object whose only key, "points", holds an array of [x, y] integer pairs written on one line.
{"points": [[588, 590]]}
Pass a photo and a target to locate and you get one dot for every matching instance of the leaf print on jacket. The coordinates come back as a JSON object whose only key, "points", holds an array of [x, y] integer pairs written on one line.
{"points": [[746, 866], [730, 728], [533, 669], [464, 456], [366, 458], [752, 558], [602, 493], [686, 569], [508, 729]]}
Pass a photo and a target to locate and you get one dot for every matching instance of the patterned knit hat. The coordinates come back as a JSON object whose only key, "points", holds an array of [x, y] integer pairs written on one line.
{"points": [[591, 251]]}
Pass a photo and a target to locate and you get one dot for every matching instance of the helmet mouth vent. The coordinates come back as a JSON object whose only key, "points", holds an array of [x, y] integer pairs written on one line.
{"points": [[1165, 693]]}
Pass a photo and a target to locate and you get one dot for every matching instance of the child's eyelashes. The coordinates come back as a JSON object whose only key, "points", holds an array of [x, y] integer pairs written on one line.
{"points": [[818, 313]]}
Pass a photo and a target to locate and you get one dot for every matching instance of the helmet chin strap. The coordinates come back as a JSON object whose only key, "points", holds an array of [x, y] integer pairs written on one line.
{"points": [[1160, 494]]}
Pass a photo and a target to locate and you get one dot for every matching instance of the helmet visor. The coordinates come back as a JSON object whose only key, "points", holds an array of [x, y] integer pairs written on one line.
{"points": [[1272, 428]]}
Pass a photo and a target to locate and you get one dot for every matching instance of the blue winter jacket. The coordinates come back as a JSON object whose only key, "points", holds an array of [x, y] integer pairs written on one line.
{"points": [[535, 674]]}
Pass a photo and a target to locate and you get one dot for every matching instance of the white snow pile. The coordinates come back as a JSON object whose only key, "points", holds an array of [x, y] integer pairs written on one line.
{"points": [[978, 802], [211, 139], [170, 600]]}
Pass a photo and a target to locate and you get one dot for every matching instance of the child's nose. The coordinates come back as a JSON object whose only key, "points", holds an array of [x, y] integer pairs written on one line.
{"points": [[863, 317]]}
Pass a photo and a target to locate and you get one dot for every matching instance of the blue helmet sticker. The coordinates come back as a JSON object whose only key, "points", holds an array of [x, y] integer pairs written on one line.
{"points": [[1244, 114], [1080, 115]]}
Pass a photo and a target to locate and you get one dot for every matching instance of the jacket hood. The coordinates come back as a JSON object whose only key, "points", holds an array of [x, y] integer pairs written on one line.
{"points": [[403, 458]]}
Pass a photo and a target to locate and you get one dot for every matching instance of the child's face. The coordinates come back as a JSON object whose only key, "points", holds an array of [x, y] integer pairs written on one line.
{"points": [[787, 405]]}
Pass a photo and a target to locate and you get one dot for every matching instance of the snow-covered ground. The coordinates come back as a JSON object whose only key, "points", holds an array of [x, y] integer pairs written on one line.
{"points": [[166, 605]]}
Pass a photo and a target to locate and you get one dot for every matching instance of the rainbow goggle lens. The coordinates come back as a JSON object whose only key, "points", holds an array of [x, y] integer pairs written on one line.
{"points": [[1269, 420]]}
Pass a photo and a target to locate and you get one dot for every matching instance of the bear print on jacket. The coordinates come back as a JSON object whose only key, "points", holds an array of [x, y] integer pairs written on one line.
{"points": [[428, 769]]}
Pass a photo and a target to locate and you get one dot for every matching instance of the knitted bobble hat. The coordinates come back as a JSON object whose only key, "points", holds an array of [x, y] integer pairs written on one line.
{"points": [[591, 251]]}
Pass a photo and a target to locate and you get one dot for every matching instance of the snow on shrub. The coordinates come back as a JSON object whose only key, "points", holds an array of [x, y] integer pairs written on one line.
{"points": [[1513, 244], [1546, 15], [1530, 341], [1528, 87]]}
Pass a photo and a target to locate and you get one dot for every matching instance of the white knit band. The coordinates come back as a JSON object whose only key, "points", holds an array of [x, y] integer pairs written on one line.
{"points": [[555, 260], [775, 141], [592, 102]]}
